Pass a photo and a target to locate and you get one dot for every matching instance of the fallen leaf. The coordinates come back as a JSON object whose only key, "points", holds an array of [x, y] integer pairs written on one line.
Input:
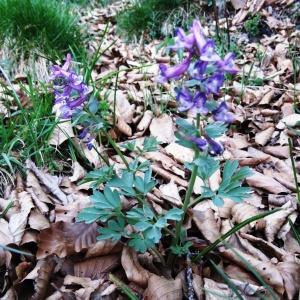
{"points": [[134, 271], [96, 267], [65, 239], [160, 288], [170, 192], [163, 129]]}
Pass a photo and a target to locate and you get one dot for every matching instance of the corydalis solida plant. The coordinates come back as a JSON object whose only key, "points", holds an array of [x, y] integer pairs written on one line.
{"points": [[202, 74]]}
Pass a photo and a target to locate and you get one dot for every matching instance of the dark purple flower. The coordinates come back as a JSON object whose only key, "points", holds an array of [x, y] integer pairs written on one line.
{"points": [[222, 114], [174, 72], [183, 41], [200, 142], [215, 148], [214, 83], [87, 138], [208, 52], [198, 35], [227, 64]]}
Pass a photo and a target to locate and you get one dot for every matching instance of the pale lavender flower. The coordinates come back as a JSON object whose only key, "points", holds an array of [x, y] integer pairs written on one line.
{"points": [[222, 114], [227, 64], [198, 35], [183, 41], [208, 52], [69, 89]]}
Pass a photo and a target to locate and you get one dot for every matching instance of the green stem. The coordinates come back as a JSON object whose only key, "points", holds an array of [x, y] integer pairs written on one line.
{"points": [[158, 254], [188, 194], [294, 170], [119, 152], [102, 157], [9, 205], [123, 287]]}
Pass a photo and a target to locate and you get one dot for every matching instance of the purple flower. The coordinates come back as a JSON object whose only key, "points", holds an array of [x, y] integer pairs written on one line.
{"points": [[87, 138], [222, 114], [227, 64], [198, 70], [208, 52], [214, 83], [188, 101], [183, 41], [198, 35], [200, 142], [174, 72], [69, 89], [216, 148]]}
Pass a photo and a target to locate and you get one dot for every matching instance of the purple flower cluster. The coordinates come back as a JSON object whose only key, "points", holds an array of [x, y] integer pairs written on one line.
{"points": [[203, 72], [70, 94], [69, 89]]}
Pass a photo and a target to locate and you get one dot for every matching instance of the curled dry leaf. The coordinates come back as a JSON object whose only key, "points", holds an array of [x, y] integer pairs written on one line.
{"points": [[145, 121], [97, 267], [134, 271], [50, 182], [170, 192], [163, 129], [180, 153], [62, 132], [267, 270], [264, 136], [38, 221], [243, 211], [198, 286], [124, 127], [267, 183], [290, 121], [18, 221], [42, 280], [78, 172], [160, 288], [204, 218], [104, 247], [275, 221], [65, 239]]}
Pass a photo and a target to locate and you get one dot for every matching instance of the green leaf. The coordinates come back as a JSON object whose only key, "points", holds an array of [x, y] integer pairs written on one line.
{"points": [[174, 214], [216, 129], [186, 127], [218, 201], [125, 183], [129, 146], [89, 215], [142, 225], [114, 230], [112, 197], [140, 244], [161, 222], [145, 185], [153, 233], [181, 250], [206, 166], [99, 176], [150, 144]]}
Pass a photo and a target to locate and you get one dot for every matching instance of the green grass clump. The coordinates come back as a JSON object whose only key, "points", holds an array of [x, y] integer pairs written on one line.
{"points": [[47, 26], [148, 16], [252, 26]]}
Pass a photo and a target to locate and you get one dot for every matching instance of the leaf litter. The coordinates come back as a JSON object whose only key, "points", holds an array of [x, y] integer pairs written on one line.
{"points": [[62, 259]]}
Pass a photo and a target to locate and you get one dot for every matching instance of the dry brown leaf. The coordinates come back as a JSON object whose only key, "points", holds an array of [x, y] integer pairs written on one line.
{"points": [[264, 136], [198, 286], [50, 182], [204, 218], [134, 271], [290, 121], [97, 267], [124, 127], [243, 211], [78, 172], [160, 288], [238, 4], [275, 221], [163, 129], [38, 221], [65, 239], [290, 271], [103, 248], [170, 192], [18, 221], [267, 270], [10, 295], [62, 132], [180, 153], [145, 121], [265, 182], [216, 291], [42, 280]]}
